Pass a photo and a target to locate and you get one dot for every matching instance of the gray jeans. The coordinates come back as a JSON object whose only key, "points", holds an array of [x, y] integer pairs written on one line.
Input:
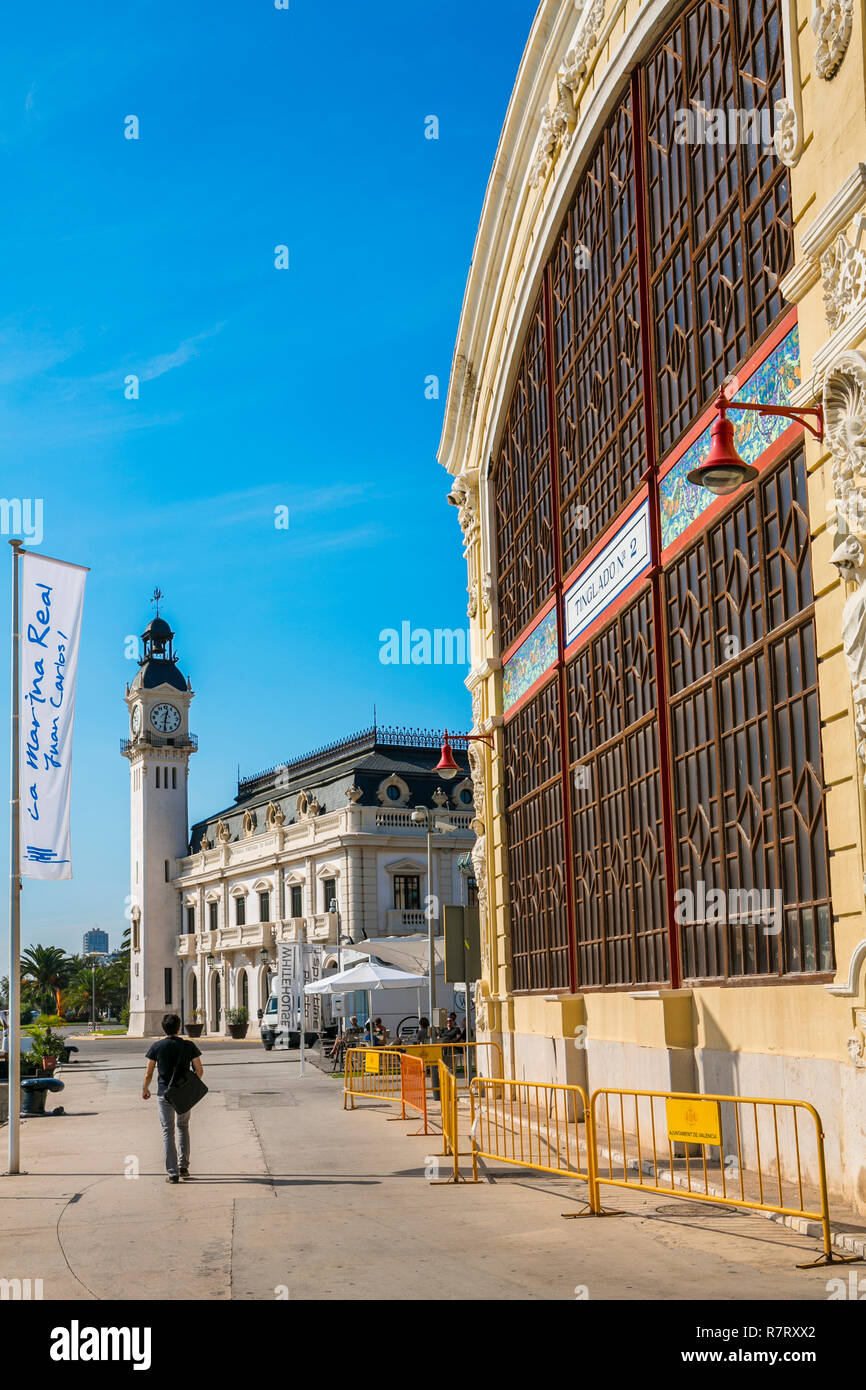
{"points": [[168, 1118]]}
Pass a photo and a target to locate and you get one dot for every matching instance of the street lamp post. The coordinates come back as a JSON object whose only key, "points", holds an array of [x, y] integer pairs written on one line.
{"points": [[448, 769], [263, 958], [422, 816], [93, 996]]}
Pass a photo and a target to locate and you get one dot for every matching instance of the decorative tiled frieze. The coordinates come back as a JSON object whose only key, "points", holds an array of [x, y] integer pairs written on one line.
{"points": [[535, 656], [774, 383]]}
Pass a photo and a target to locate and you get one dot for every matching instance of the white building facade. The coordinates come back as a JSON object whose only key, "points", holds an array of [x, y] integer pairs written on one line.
{"points": [[321, 849]]}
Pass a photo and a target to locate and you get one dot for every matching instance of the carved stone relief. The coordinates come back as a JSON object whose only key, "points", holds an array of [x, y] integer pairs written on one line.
{"points": [[479, 852], [832, 22], [843, 272], [845, 429], [465, 496]]}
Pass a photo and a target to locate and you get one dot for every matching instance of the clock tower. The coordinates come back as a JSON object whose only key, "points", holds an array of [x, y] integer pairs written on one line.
{"points": [[158, 750]]}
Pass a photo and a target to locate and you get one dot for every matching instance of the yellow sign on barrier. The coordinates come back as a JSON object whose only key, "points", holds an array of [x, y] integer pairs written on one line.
{"points": [[371, 1062], [694, 1121]]}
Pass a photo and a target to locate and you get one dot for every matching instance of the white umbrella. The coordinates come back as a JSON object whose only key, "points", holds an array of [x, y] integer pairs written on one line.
{"points": [[368, 976], [406, 952]]}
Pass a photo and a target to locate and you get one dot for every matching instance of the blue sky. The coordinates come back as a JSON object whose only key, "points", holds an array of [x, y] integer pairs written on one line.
{"points": [[259, 387]]}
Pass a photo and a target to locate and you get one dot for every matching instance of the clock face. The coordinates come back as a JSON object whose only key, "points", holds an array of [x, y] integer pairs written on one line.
{"points": [[136, 719], [165, 718]]}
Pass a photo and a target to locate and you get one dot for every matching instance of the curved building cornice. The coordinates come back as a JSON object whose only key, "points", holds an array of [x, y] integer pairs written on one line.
{"points": [[520, 221]]}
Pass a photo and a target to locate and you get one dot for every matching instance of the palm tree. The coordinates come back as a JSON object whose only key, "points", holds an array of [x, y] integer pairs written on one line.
{"points": [[85, 984], [46, 970]]}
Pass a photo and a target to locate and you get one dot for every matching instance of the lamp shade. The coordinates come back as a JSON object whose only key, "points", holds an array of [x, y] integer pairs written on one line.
{"points": [[722, 471], [446, 766]]}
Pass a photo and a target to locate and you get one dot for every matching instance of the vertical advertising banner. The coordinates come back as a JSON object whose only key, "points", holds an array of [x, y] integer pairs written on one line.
{"points": [[52, 599], [312, 974], [287, 1000]]}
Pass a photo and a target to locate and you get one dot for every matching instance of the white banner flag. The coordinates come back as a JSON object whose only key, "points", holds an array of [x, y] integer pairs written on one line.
{"points": [[52, 599]]}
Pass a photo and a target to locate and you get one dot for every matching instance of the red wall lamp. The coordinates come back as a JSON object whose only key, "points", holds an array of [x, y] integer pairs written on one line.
{"points": [[723, 471], [446, 765]]}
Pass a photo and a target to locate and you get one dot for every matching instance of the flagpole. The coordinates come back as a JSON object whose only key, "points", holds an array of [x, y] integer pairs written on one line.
{"points": [[14, 1031]]}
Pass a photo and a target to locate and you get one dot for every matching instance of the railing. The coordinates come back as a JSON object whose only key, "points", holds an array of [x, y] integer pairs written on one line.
{"points": [[744, 1144], [402, 820], [251, 934], [373, 1074], [399, 919], [465, 1059], [183, 742], [450, 1119], [533, 1124], [367, 739], [664, 1142]]}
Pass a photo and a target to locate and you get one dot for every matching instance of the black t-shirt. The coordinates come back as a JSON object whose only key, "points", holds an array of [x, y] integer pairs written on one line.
{"points": [[171, 1054]]}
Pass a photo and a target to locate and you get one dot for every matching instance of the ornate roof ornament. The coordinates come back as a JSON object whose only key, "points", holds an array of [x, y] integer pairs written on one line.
{"points": [[558, 124]]}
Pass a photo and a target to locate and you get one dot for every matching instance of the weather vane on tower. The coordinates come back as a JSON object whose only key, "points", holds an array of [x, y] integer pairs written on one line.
{"points": [[157, 595]]}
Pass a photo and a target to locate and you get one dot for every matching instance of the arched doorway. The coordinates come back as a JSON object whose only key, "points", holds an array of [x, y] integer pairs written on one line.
{"points": [[245, 990], [217, 1003]]}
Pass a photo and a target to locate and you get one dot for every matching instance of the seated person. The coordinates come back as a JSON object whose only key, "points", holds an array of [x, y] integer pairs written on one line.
{"points": [[452, 1032], [348, 1036], [422, 1032]]}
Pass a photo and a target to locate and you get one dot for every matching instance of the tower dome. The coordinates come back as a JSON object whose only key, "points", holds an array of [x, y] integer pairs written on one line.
{"points": [[158, 663]]}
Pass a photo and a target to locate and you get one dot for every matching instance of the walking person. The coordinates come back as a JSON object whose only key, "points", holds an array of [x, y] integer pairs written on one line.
{"points": [[172, 1057]]}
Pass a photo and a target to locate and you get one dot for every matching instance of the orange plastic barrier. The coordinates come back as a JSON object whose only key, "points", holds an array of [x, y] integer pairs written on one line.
{"points": [[413, 1089]]}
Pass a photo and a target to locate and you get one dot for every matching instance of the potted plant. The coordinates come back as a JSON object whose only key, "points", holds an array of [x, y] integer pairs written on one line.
{"points": [[238, 1021], [47, 1047], [196, 1027]]}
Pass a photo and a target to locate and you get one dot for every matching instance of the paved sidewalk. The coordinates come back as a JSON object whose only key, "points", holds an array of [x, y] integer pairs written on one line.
{"points": [[293, 1197]]}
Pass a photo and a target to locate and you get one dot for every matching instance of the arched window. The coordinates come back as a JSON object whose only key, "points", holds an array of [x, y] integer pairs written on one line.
{"points": [[157, 777], [245, 990]]}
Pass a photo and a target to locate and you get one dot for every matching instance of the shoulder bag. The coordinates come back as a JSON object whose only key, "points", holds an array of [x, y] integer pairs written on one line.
{"points": [[183, 1094]]}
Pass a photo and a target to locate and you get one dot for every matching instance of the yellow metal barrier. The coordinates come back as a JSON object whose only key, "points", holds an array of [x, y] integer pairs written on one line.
{"points": [[534, 1124], [464, 1060], [676, 1142], [450, 1117], [374, 1074]]}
